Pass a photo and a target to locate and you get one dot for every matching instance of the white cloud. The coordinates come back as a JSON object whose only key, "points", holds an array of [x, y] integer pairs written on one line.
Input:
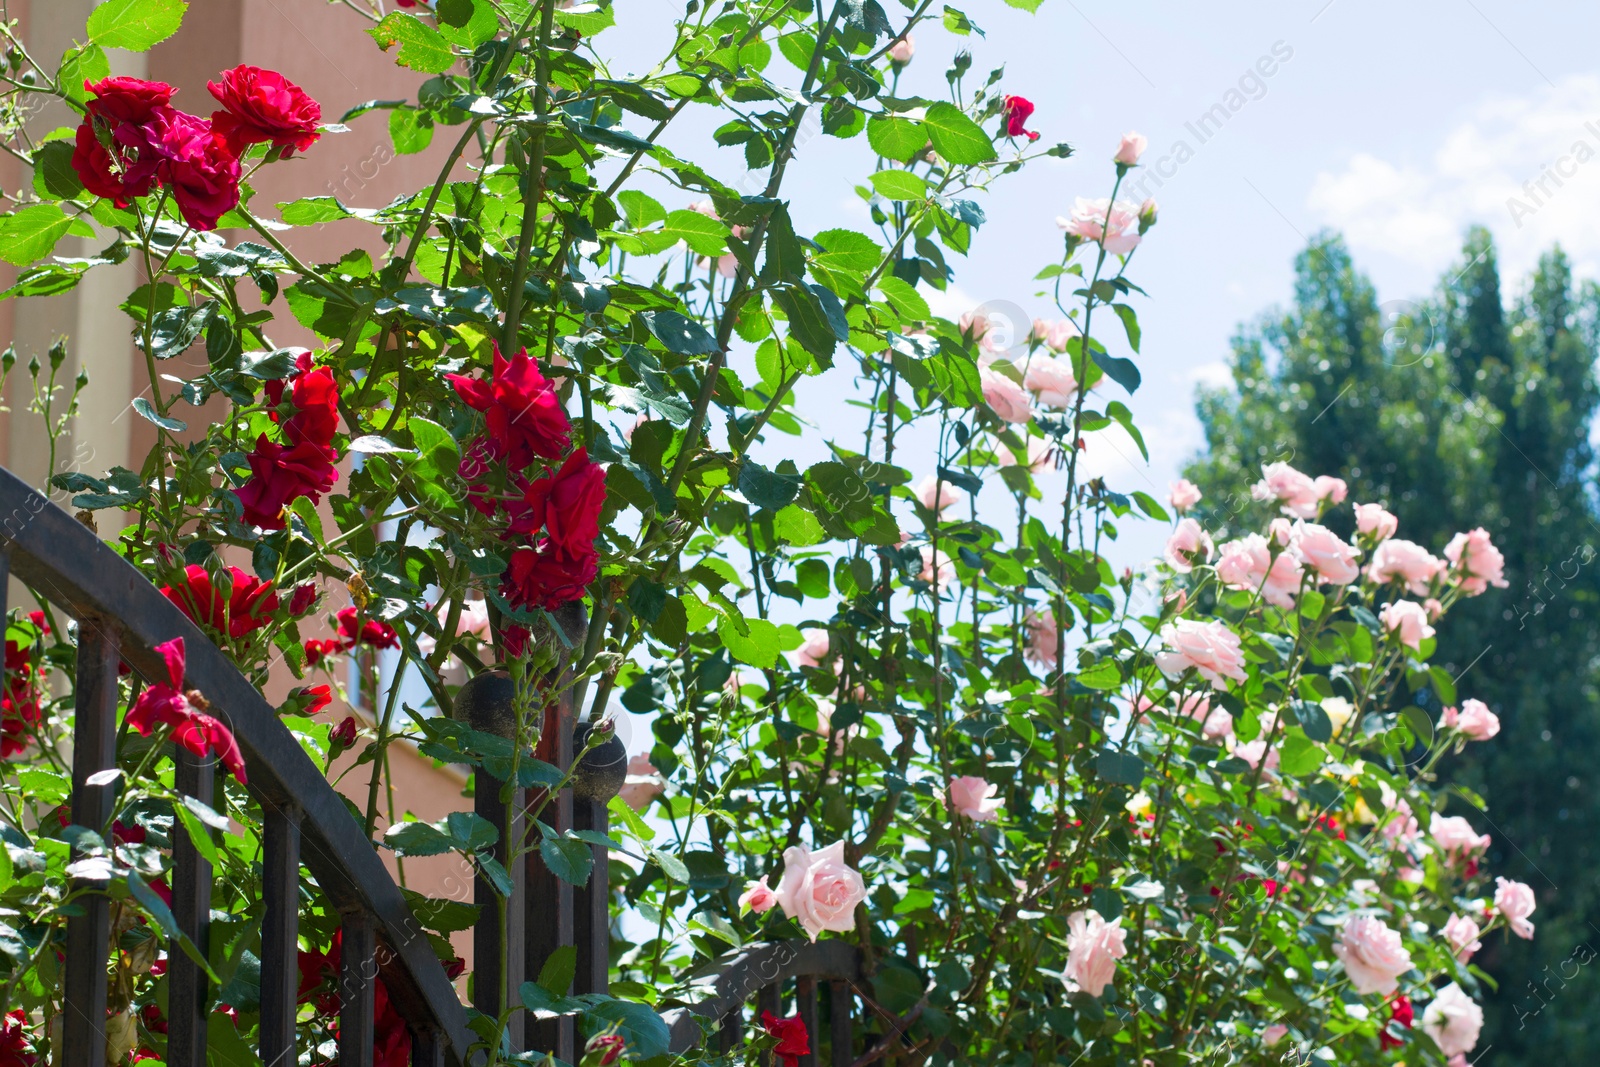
{"points": [[1528, 167]]}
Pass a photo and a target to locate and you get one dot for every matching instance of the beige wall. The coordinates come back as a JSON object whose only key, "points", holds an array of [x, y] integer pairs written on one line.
{"points": [[323, 48]]}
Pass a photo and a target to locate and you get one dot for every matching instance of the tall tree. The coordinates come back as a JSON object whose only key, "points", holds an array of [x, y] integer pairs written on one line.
{"points": [[1458, 411]]}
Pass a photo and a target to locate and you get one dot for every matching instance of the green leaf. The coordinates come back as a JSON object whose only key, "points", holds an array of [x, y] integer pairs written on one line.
{"points": [[1122, 371], [198, 834], [312, 210], [847, 250], [555, 977], [411, 129], [79, 65], [956, 137], [680, 335], [897, 137], [1123, 768], [53, 175], [1299, 756], [1313, 720], [671, 864], [704, 235], [766, 489], [464, 27], [808, 321], [32, 233], [417, 839], [135, 24], [143, 406], [1105, 674], [638, 1024], [568, 858], [421, 47], [1130, 323], [642, 210], [759, 648], [1029, 6], [899, 185], [587, 19], [903, 296]]}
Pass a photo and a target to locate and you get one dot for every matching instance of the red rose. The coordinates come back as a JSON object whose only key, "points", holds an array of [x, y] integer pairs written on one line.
{"points": [[273, 390], [316, 396], [1400, 1011], [547, 577], [320, 648], [279, 475], [248, 605], [793, 1041], [610, 1045], [166, 704], [565, 502], [373, 632], [344, 735], [305, 595], [263, 105], [196, 164], [1018, 109], [14, 1041], [472, 469], [524, 414], [113, 154]]}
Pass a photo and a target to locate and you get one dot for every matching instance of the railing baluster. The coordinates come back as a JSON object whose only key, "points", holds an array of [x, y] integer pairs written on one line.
{"points": [[498, 953], [427, 1048], [731, 1035], [358, 982], [280, 931], [94, 749], [191, 906], [550, 904], [805, 1004], [840, 1005], [770, 998]]}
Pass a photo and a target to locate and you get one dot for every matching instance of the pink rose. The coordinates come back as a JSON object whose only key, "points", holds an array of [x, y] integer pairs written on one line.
{"points": [[1372, 954], [1005, 397], [1456, 838], [1131, 148], [1462, 933], [1399, 825], [1040, 455], [974, 324], [974, 798], [901, 51], [937, 495], [1331, 556], [1147, 213], [937, 570], [1054, 334], [1478, 561], [1433, 608], [1375, 522], [1093, 948], [1274, 1034], [1210, 648], [818, 890], [1453, 1021], [643, 783], [1405, 561], [1475, 720], [1184, 495], [1052, 382], [1407, 620], [1043, 637], [1515, 901], [1280, 532], [1104, 222], [1294, 490], [1215, 721], [1333, 490], [1253, 752], [757, 897], [814, 651], [1187, 546]]}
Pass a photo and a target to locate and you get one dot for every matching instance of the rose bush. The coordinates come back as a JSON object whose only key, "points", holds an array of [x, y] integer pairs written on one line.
{"points": [[1065, 815]]}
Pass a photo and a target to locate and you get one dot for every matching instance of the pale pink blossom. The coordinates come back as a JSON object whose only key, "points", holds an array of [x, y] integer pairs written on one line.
{"points": [[643, 784], [902, 50], [1184, 495], [975, 798], [706, 208], [1147, 213], [1296, 492], [1215, 721], [974, 324], [1093, 948], [1274, 1034], [1453, 1020], [1458, 1060], [1055, 333], [627, 434], [819, 890], [1280, 532], [1515, 901], [1043, 637], [1189, 545], [757, 897], [1051, 380], [1373, 521], [1372, 954], [1247, 564], [1434, 609], [1407, 620], [1477, 560], [1333, 490], [1107, 223], [1475, 720], [1131, 148], [1325, 552], [1005, 397], [1040, 455], [1253, 752], [1462, 932], [815, 649], [937, 495], [1411, 875], [1456, 838], [473, 621], [1404, 561], [1400, 826], [1210, 648], [937, 569]]}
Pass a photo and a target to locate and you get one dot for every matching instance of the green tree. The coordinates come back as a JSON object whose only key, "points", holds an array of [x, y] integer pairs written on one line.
{"points": [[1464, 410]]}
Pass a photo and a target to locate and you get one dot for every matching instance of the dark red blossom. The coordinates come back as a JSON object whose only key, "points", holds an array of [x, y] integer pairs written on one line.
{"points": [[304, 596], [245, 604], [320, 648], [565, 503], [15, 1045], [279, 476], [344, 735], [319, 982], [264, 106], [547, 577], [1018, 108], [164, 704], [196, 165], [306, 700], [113, 154], [524, 415], [1400, 1011], [610, 1046], [374, 632], [793, 1041]]}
